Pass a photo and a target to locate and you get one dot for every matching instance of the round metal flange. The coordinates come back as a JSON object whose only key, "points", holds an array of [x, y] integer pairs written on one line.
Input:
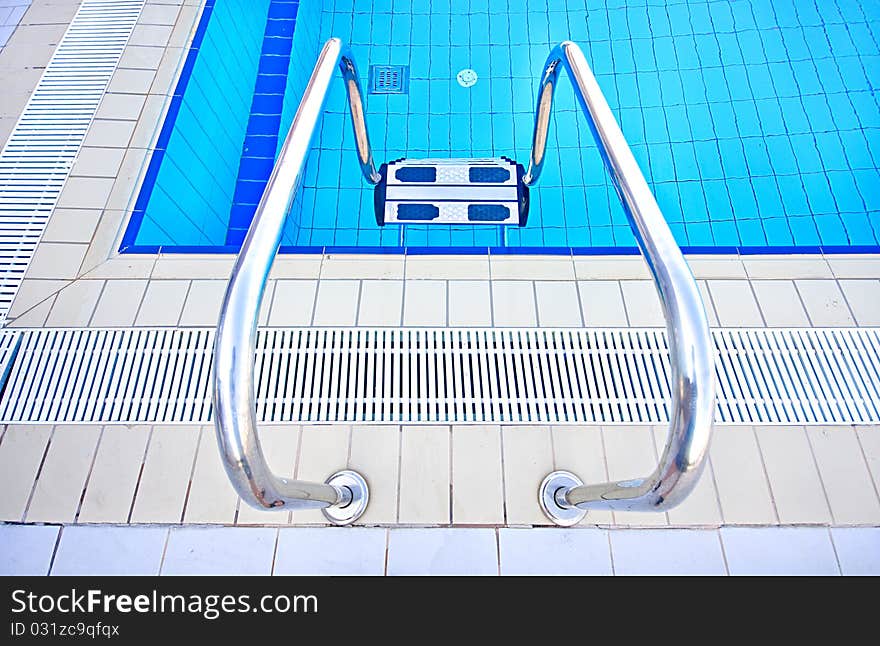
{"points": [[565, 516], [349, 512]]}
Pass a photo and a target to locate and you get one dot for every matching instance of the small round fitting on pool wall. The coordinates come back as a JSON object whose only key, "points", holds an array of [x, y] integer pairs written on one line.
{"points": [[466, 77]]}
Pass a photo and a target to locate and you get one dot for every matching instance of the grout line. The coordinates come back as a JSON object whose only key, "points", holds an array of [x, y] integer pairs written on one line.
{"points": [[834, 549], [137, 485], [55, 550], [164, 550], [819, 473], [89, 475], [39, 472], [192, 473], [766, 475], [723, 551]]}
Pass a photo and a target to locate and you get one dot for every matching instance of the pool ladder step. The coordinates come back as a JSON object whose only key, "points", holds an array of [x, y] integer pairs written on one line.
{"points": [[476, 191]]}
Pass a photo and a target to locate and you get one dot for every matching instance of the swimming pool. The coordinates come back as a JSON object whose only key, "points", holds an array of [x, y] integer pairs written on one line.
{"points": [[757, 124]]}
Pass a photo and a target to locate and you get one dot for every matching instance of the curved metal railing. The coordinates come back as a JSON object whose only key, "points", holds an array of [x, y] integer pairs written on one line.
{"points": [[563, 496], [345, 494]]}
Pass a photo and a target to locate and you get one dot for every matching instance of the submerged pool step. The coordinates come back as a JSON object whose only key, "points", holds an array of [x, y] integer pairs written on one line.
{"points": [[454, 191]]}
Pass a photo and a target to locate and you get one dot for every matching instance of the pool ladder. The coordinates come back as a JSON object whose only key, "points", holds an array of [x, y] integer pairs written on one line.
{"points": [[564, 498]]}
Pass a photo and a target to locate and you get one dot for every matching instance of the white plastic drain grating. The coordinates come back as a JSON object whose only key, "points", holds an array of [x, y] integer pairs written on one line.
{"points": [[37, 158], [568, 376]]}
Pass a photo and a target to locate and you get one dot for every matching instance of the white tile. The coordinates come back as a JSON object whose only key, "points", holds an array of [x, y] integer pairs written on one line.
{"points": [[75, 303], [220, 551], [869, 439], [477, 496], [513, 303], [72, 225], [329, 551], [26, 549], [716, 267], [442, 551], [642, 303], [854, 266], [448, 267], [571, 552], [21, 452], [166, 475], [424, 303], [825, 303], [86, 192], [742, 486], [98, 162], [56, 260], [424, 475], [211, 498], [110, 490], [119, 303], [381, 303], [666, 552], [65, 470], [194, 266], [532, 267], [845, 475], [96, 550], [602, 303], [293, 302], [375, 454], [735, 303], [787, 266], [863, 297], [202, 306], [163, 302], [470, 303], [528, 458], [779, 551], [780, 303], [558, 304], [337, 302], [357, 266], [858, 549], [629, 454], [108, 133], [706, 297], [611, 268], [794, 481], [323, 451]]}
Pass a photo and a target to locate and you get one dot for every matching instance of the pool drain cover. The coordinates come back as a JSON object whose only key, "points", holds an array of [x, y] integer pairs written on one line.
{"points": [[389, 79], [466, 78]]}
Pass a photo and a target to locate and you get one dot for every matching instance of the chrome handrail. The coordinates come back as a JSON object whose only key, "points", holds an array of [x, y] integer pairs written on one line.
{"points": [[563, 496], [345, 494]]}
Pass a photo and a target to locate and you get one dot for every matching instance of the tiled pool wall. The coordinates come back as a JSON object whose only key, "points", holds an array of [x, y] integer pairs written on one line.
{"points": [[756, 124]]}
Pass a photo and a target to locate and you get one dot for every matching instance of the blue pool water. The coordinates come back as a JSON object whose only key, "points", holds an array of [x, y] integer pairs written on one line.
{"points": [[756, 123]]}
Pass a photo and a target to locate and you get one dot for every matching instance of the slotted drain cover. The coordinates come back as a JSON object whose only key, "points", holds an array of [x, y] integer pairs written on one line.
{"points": [[389, 79]]}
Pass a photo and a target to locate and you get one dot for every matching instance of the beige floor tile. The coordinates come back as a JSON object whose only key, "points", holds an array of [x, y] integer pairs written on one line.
{"points": [[35, 316], [602, 303], [580, 450], [280, 445], [76, 303], [780, 303], [629, 454], [528, 458], [424, 475], [711, 314], [700, 508], [166, 475], [375, 453], [869, 439], [735, 303], [65, 471], [742, 485], [477, 492], [57, 260], [119, 303], [323, 451], [794, 481], [360, 266], [381, 303], [825, 303], [448, 267], [863, 297], [787, 266], [470, 303], [211, 497], [337, 302], [513, 303], [111, 487], [558, 303], [532, 267], [293, 302], [163, 302], [21, 453], [611, 268], [855, 266], [202, 306], [424, 303], [642, 303], [845, 475]]}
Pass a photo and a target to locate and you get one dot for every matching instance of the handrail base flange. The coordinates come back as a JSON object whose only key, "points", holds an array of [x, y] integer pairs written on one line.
{"points": [[360, 497], [549, 501]]}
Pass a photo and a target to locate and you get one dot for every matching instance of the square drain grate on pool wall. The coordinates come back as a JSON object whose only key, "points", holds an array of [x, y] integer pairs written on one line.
{"points": [[389, 79]]}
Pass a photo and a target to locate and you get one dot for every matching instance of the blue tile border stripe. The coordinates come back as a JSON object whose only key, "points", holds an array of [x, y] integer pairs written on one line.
{"points": [[134, 224], [261, 140]]}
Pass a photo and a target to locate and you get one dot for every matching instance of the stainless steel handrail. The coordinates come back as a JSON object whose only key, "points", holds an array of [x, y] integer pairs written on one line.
{"points": [[563, 496], [344, 495]]}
